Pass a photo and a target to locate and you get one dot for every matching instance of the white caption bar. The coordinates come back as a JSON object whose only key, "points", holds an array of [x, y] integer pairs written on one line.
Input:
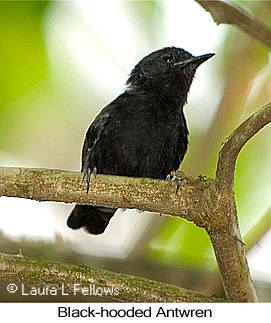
{"points": [[107, 312]]}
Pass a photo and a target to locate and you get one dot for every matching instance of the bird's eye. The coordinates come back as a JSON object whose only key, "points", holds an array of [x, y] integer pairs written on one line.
{"points": [[168, 58]]}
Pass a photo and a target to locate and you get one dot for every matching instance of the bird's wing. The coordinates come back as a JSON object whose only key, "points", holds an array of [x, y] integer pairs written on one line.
{"points": [[92, 136]]}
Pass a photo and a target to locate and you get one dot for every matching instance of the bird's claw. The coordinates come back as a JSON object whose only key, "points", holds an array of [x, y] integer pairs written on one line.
{"points": [[87, 174], [175, 179], [179, 182]]}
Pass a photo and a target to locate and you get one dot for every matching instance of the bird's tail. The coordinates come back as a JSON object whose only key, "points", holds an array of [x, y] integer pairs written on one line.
{"points": [[93, 219]]}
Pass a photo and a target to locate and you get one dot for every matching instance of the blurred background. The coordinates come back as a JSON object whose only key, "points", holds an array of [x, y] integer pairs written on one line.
{"points": [[61, 62]]}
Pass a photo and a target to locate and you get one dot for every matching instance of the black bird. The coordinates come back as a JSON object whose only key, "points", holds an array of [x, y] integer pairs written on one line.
{"points": [[143, 132]]}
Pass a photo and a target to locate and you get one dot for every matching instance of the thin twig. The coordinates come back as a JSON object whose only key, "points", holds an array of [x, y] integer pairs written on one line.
{"points": [[226, 13], [258, 231], [229, 153]]}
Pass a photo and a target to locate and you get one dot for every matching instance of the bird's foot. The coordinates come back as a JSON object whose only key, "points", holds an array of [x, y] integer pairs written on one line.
{"points": [[87, 171], [175, 179]]}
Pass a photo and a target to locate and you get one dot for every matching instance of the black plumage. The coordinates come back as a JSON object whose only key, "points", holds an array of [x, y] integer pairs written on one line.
{"points": [[143, 132]]}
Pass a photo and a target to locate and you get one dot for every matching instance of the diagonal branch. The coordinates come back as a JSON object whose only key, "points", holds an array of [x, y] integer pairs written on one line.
{"points": [[71, 279], [229, 153], [226, 13]]}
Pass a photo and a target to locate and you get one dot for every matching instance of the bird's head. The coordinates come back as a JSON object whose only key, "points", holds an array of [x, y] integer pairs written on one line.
{"points": [[169, 68]]}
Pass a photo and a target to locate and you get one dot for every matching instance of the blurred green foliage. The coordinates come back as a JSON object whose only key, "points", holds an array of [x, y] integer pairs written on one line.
{"points": [[23, 61], [244, 67], [37, 115]]}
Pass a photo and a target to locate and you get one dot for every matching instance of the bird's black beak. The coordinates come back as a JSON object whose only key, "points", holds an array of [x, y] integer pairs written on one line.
{"points": [[196, 60], [201, 59]]}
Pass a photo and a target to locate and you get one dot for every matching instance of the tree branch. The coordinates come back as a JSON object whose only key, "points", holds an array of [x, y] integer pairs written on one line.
{"points": [[208, 203], [37, 273], [226, 13], [229, 153], [114, 191], [197, 200], [227, 242]]}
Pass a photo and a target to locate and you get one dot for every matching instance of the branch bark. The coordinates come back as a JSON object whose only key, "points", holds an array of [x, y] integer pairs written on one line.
{"points": [[229, 153], [227, 243], [33, 272], [114, 191], [208, 203], [226, 13]]}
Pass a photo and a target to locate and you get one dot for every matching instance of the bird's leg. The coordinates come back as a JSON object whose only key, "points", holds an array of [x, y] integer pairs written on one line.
{"points": [[179, 182], [173, 177], [87, 174], [94, 171]]}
